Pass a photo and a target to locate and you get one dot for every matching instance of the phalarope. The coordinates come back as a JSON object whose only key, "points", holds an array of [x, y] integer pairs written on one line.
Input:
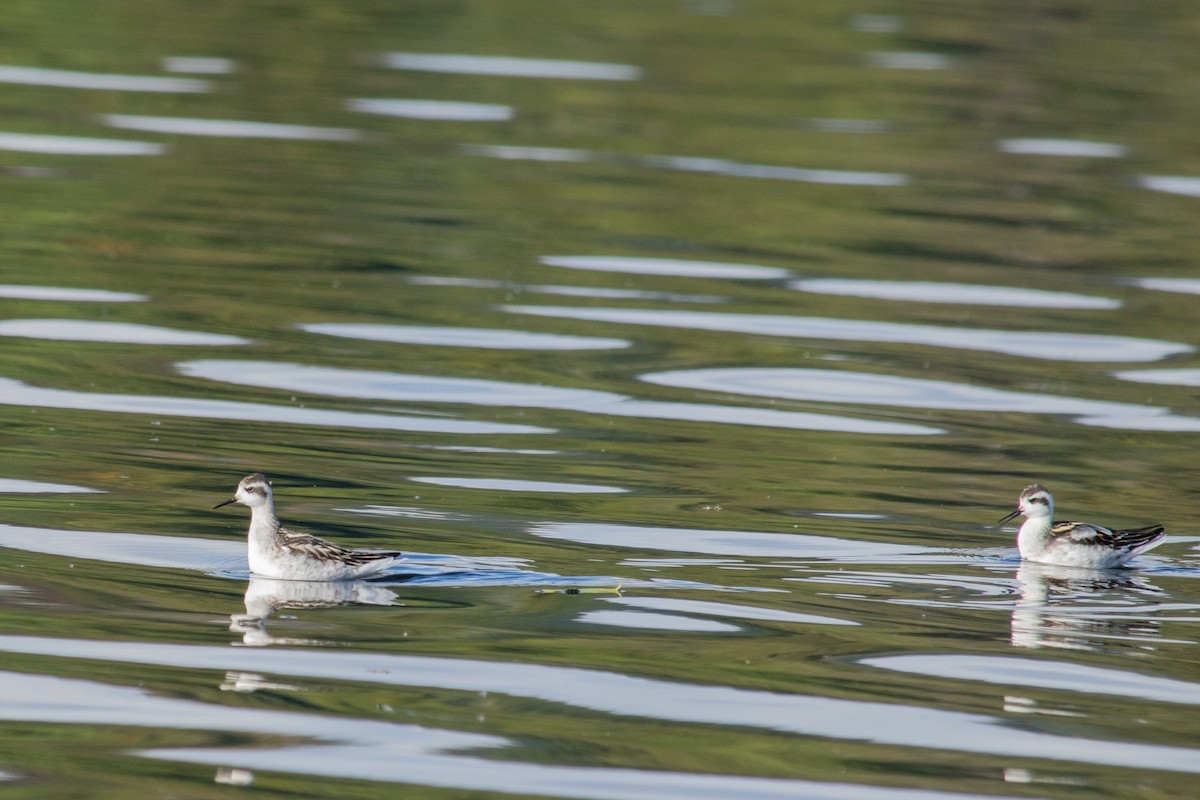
{"points": [[1074, 544], [279, 552]]}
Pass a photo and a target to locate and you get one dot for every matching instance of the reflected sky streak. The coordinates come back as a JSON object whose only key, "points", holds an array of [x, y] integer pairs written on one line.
{"points": [[514, 485], [750, 544], [384, 751], [399, 387], [969, 294], [1030, 344], [16, 393], [1043, 674], [625, 695], [77, 145], [446, 110], [38, 76], [20, 486], [712, 166], [22, 292], [446, 336], [82, 330], [511, 66], [229, 128], [666, 266], [841, 386]]}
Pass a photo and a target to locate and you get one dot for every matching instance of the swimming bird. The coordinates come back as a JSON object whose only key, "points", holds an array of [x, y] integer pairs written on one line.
{"points": [[279, 552], [1075, 544]]}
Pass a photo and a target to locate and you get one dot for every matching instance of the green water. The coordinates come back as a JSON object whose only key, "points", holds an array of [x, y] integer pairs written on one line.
{"points": [[781, 596]]}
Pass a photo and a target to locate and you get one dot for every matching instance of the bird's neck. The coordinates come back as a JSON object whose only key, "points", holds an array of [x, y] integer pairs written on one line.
{"points": [[263, 523], [1032, 536]]}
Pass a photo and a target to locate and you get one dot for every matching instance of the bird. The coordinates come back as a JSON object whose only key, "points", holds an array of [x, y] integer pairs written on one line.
{"points": [[1075, 544], [282, 553]]}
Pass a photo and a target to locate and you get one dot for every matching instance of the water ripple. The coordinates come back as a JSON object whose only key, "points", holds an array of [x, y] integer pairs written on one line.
{"points": [[839, 386], [1061, 676], [22, 292], [520, 485], [368, 385], [731, 543], [666, 266], [448, 110], [199, 65], [1072, 148], [510, 66], [377, 750], [19, 486], [229, 128], [567, 291], [614, 693], [80, 330], [713, 166], [488, 338], [16, 393], [971, 294], [77, 145], [1030, 344], [38, 76]]}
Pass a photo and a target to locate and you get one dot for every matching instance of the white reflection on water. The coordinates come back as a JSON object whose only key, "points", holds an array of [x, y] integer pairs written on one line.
{"points": [[715, 609], [449, 110], [521, 153], [520, 485], [1180, 285], [18, 486], [16, 393], [838, 386], [179, 552], [467, 448], [1171, 184], [973, 294], [1075, 148], [732, 543], [231, 128], [198, 65], [373, 385], [22, 292], [510, 66], [1031, 344], [1184, 376], [567, 291], [666, 266], [439, 336], [877, 23], [594, 690], [81, 330], [842, 125], [77, 145], [654, 622], [714, 166], [910, 60], [1063, 676], [37, 76]]}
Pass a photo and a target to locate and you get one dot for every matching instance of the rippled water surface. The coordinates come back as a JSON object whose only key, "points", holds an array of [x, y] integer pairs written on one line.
{"points": [[689, 350]]}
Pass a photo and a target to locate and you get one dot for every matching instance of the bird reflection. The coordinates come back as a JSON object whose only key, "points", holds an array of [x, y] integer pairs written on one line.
{"points": [[265, 596], [1079, 609]]}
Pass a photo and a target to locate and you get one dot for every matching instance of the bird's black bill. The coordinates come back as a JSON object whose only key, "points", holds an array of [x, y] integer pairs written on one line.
{"points": [[227, 502], [1002, 519]]}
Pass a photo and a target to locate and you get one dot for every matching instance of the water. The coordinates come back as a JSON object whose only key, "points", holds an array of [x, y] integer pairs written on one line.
{"points": [[689, 349]]}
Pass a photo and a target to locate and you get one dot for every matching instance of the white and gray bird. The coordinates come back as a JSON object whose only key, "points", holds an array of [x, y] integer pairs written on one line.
{"points": [[1075, 544], [279, 552]]}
